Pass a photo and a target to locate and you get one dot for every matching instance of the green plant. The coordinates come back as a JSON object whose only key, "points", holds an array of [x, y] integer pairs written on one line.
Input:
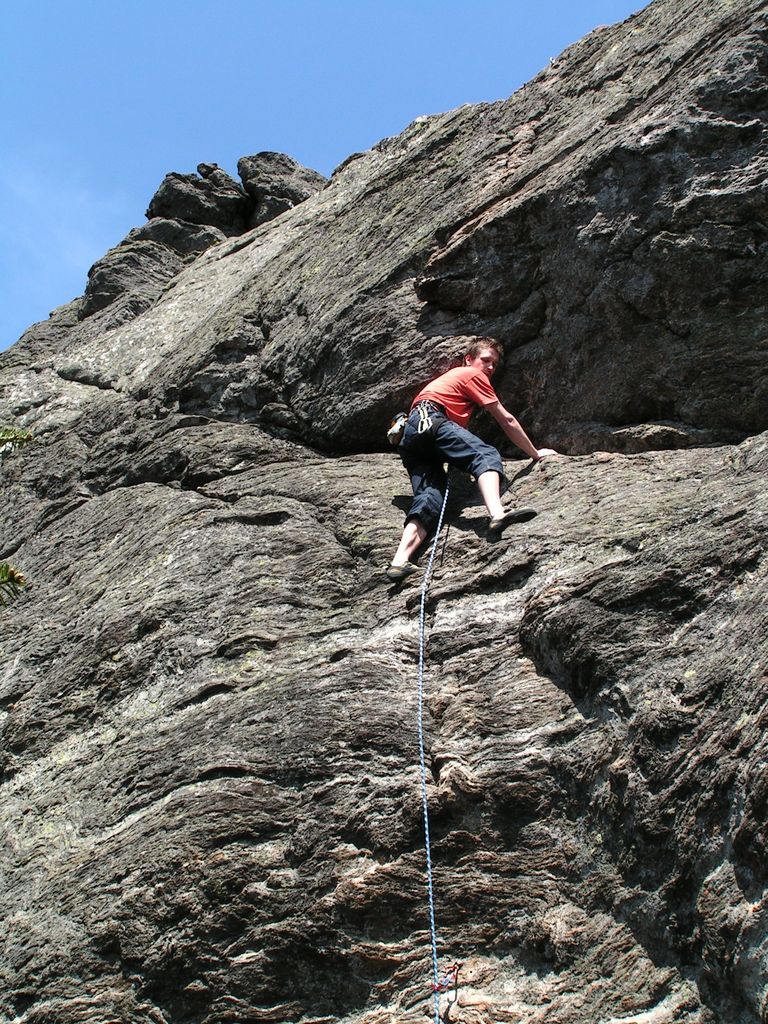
{"points": [[11, 582], [14, 436]]}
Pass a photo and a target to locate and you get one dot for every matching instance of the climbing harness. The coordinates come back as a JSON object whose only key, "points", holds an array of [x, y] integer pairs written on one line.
{"points": [[450, 979], [398, 422]]}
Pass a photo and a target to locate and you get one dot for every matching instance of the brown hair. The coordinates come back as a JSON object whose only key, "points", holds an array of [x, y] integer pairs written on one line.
{"points": [[479, 344]]}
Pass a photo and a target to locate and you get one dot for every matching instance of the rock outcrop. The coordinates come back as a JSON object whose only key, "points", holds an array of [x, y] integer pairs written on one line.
{"points": [[136, 271], [183, 237], [187, 215], [212, 198], [612, 210], [276, 183], [210, 792]]}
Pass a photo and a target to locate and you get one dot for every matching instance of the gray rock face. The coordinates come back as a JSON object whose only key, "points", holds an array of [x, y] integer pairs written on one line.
{"points": [[185, 238], [209, 791], [213, 199], [189, 214], [611, 210], [138, 270], [276, 183], [44, 337], [272, 184], [656, 231]]}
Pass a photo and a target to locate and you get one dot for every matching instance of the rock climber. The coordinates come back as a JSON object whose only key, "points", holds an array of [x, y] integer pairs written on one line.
{"points": [[435, 432]]}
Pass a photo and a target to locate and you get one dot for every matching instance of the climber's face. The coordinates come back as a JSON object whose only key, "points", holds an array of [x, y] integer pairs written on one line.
{"points": [[487, 359]]}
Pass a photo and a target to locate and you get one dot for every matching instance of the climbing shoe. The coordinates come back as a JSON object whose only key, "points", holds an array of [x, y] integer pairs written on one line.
{"points": [[399, 572], [515, 515]]}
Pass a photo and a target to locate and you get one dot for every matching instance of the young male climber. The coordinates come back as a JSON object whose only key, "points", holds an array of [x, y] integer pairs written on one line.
{"points": [[435, 433]]}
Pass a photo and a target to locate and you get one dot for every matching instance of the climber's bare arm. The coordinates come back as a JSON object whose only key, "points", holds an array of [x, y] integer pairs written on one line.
{"points": [[511, 427]]}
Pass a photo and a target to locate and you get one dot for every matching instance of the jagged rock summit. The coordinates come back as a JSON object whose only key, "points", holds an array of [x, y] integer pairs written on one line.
{"points": [[210, 796], [187, 215]]}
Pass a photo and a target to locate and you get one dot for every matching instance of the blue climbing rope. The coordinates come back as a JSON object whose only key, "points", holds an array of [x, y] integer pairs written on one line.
{"points": [[438, 986]]}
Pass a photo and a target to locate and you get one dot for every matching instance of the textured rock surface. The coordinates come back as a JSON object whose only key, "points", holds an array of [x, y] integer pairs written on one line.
{"points": [[209, 790], [613, 210], [215, 207], [276, 183], [272, 184], [210, 797], [185, 238], [210, 197], [136, 270]]}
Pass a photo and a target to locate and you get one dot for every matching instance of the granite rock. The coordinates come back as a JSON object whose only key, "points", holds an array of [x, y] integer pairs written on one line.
{"points": [[184, 238], [633, 163], [276, 183], [210, 796], [210, 785], [210, 197], [136, 271]]}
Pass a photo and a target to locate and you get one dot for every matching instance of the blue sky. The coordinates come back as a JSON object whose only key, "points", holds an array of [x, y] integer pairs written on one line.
{"points": [[101, 99]]}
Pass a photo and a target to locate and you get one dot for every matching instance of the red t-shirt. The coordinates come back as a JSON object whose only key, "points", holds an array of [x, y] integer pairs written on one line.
{"points": [[459, 391]]}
